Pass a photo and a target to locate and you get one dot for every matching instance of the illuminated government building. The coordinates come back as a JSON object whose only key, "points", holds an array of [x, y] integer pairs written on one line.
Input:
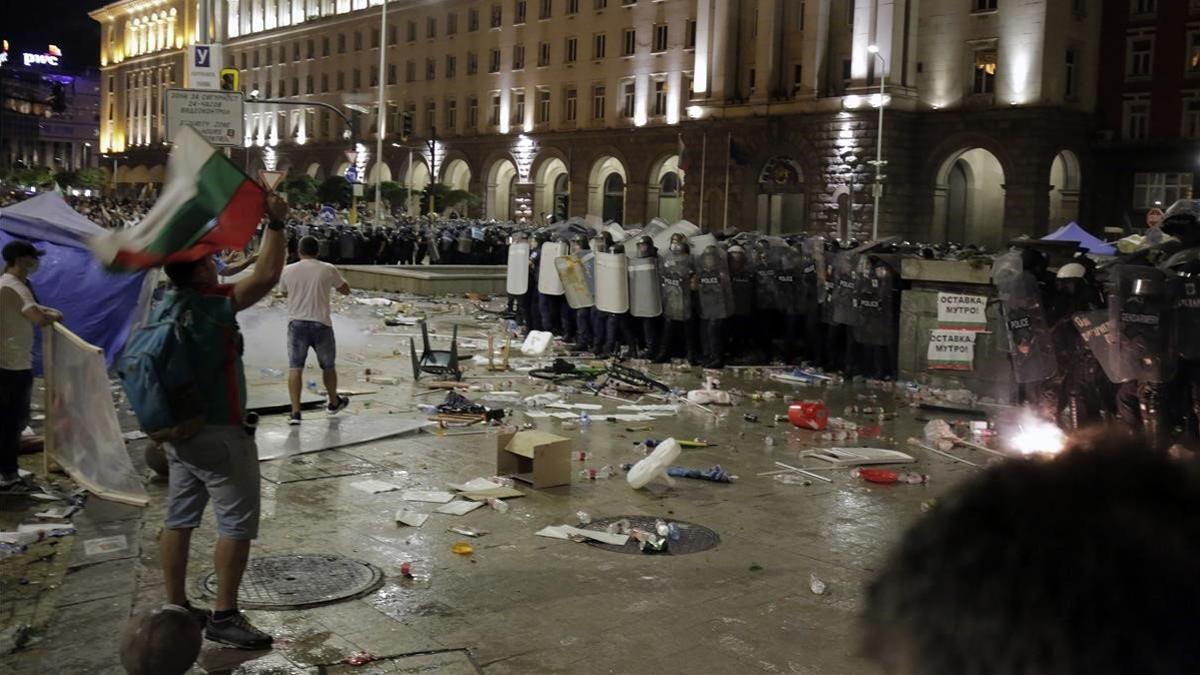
{"points": [[574, 107]]}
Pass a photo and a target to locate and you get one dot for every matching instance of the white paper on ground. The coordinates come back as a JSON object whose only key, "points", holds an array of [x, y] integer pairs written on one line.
{"points": [[536, 414], [374, 486], [565, 416], [632, 418], [474, 485], [135, 435], [458, 508], [566, 532], [411, 518], [430, 496], [664, 407], [45, 527], [57, 513], [103, 545]]}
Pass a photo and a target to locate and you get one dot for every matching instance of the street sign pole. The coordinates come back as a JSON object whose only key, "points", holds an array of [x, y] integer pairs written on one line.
{"points": [[380, 117]]}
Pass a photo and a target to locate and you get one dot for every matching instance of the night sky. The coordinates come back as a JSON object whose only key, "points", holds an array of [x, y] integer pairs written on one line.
{"points": [[30, 25]]}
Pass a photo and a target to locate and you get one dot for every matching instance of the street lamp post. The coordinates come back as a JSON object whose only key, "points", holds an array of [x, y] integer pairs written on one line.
{"points": [[380, 117], [879, 163]]}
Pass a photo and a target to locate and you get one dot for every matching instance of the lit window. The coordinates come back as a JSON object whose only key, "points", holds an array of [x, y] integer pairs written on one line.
{"points": [[984, 77], [1160, 189], [1142, 7], [570, 105], [1193, 52], [599, 42], [660, 98], [1140, 57], [543, 106], [544, 54], [1136, 123], [629, 98], [660, 37], [1191, 118], [572, 51], [629, 43], [518, 60], [598, 103]]}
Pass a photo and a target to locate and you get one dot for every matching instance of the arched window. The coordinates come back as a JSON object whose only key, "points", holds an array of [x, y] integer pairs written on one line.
{"points": [[669, 185], [614, 185]]}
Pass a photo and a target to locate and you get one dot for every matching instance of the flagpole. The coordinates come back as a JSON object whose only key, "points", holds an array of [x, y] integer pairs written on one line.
{"points": [[381, 117], [728, 160], [703, 161]]}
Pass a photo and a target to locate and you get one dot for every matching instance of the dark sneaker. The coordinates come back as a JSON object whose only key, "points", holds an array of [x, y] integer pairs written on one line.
{"points": [[200, 614], [342, 402], [294, 420], [237, 631], [19, 487]]}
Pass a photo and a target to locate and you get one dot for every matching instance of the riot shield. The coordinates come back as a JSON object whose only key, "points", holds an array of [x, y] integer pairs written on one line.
{"points": [[548, 281], [788, 281], [715, 285], [1140, 309], [645, 295], [766, 283], [1030, 339], [613, 283], [518, 268], [700, 243], [1184, 275], [812, 273], [741, 277], [675, 275], [574, 280], [876, 303], [662, 239], [1097, 332], [845, 310]]}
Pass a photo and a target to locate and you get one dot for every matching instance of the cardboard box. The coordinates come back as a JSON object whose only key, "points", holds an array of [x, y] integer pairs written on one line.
{"points": [[540, 459]]}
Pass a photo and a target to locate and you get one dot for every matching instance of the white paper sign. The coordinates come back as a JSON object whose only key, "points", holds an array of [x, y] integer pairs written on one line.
{"points": [[957, 311], [215, 115], [951, 350]]}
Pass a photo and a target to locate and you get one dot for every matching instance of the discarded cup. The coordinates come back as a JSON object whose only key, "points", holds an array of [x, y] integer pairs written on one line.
{"points": [[406, 570], [582, 456], [462, 548], [888, 477], [815, 585], [498, 504]]}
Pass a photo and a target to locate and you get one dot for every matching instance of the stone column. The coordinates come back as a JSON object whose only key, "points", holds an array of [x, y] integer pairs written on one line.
{"points": [[724, 51], [766, 53]]}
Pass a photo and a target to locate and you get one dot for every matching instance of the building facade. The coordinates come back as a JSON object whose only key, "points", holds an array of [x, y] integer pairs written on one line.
{"points": [[1148, 136], [754, 114], [48, 115]]}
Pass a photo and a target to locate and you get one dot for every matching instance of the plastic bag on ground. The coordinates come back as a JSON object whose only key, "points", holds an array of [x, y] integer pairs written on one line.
{"points": [[654, 465], [536, 342]]}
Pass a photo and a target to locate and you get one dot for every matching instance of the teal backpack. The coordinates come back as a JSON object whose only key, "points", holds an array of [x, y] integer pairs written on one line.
{"points": [[158, 373]]}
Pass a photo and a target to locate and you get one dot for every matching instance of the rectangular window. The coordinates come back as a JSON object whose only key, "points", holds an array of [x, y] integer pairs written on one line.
{"points": [[451, 116], [410, 32], [629, 42], [341, 81], [410, 71], [472, 113], [1142, 7], [518, 59], [472, 63], [324, 82], [984, 76], [1191, 118], [357, 79], [452, 23], [1137, 120], [518, 107], [797, 76], [629, 98], [1140, 57], [431, 118], [1160, 189], [543, 54], [1070, 76], [599, 4], [660, 37], [374, 76], [296, 51], [660, 98], [801, 8], [391, 73], [518, 11], [267, 57], [495, 121], [309, 49], [627, 3], [690, 35], [572, 50], [598, 44], [543, 106], [980, 5], [1193, 53], [497, 16], [268, 92], [570, 105], [494, 61], [374, 38], [846, 70], [324, 48], [451, 66], [431, 27], [393, 34], [472, 20], [308, 84], [753, 79], [430, 69], [546, 10], [357, 41], [572, 7], [849, 12], [256, 58], [598, 103]]}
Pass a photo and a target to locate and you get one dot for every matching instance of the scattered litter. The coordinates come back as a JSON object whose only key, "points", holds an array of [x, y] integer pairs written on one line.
{"points": [[536, 343], [429, 496], [59, 513], [406, 570], [374, 486], [654, 465], [462, 548], [572, 533], [458, 508], [859, 456], [709, 397], [918, 444], [103, 545], [584, 517], [811, 415], [815, 584], [497, 505], [47, 529], [466, 531], [716, 474], [16, 637], [888, 477], [135, 435], [475, 485], [411, 518], [755, 567], [803, 472], [374, 302], [361, 658]]}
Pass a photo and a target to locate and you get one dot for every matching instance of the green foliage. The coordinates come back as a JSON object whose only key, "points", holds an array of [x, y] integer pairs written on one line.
{"points": [[37, 176], [392, 192], [93, 178], [445, 196], [335, 191], [301, 189]]}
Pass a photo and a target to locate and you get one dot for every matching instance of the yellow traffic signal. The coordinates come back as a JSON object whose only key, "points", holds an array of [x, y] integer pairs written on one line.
{"points": [[230, 79]]}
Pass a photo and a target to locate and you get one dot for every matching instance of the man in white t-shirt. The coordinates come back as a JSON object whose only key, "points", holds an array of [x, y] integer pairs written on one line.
{"points": [[19, 311], [307, 284]]}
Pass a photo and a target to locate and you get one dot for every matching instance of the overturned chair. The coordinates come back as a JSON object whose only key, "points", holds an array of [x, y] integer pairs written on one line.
{"points": [[442, 363]]}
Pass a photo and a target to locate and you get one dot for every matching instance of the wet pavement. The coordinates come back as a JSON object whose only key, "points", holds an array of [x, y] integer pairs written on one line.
{"points": [[519, 603]]}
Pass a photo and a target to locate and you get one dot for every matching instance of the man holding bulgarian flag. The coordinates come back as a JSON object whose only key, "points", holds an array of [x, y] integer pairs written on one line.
{"points": [[208, 205]]}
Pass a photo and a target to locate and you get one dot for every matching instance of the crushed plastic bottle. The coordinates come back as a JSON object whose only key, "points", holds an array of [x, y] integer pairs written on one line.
{"points": [[621, 526], [584, 418], [582, 456], [815, 585], [769, 441], [498, 505], [588, 474], [673, 532], [584, 517], [270, 372], [660, 526], [312, 386]]}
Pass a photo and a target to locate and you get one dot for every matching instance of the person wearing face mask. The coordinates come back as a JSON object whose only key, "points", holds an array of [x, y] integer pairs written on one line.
{"points": [[1079, 383], [19, 312]]}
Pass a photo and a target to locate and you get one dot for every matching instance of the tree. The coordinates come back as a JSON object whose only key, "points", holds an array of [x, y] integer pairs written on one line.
{"points": [[393, 193], [301, 189], [36, 176], [335, 191], [93, 178], [445, 197]]}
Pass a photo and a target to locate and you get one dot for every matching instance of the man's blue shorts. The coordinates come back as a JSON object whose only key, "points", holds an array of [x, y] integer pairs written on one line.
{"points": [[305, 334]]}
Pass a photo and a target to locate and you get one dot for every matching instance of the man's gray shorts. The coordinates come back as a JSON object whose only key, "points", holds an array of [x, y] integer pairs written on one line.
{"points": [[219, 463]]}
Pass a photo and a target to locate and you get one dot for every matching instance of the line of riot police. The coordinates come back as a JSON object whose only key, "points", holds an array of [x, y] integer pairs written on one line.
{"points": [[406, 242]]}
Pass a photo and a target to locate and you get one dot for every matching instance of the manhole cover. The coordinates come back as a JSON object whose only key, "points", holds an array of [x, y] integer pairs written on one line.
{"points": [[289, 581], [693, 538]]}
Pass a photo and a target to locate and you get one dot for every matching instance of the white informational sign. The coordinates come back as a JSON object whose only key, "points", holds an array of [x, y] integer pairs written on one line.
{"points": [[215, 115], [957, 311], [951, 350], [204, 64]]}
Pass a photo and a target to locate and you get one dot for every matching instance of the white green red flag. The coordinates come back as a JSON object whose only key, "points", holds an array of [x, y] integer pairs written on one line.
{"points": [[206, 205]]}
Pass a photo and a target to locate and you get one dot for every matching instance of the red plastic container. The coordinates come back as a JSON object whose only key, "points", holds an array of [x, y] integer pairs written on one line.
{"points": [[811, 415]]}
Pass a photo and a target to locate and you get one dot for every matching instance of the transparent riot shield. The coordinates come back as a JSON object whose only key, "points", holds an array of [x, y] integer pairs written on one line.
{"points": [[812, 273], [548, 281], [675, 275], [877, 303], [788, 280], [1030, 339], [1183, 270], [518, 268], [845, 285], [573, 275], [714, 284], [766, 273], [612, 283], [645, 290], [1140, 309], [741, 277]]}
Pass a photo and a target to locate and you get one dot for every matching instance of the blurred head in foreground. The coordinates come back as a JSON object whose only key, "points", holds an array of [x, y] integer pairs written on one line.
{"points": [[1086, 563]]}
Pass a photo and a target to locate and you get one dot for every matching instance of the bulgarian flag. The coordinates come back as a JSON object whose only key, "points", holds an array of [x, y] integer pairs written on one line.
{"points": [[207, 205]]}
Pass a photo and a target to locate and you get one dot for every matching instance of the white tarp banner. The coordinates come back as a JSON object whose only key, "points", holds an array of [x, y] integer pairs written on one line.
{"points": [[82, 431]]}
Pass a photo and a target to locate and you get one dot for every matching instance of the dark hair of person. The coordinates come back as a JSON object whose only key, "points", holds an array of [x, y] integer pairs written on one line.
{"points": [[309, 246], [181, 273], [1085, 563]]}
